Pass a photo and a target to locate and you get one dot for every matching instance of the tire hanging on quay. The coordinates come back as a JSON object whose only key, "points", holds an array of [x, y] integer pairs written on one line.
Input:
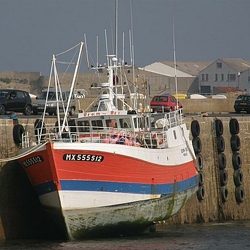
{"points": [[234, 126], [18, 131]]}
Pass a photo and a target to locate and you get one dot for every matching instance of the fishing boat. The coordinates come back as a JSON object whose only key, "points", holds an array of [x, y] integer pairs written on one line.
{"points": [[110, 170]]}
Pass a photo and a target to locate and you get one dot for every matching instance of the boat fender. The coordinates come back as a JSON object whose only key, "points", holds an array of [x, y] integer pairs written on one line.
{"points": [[197, 144], [239, 194], [219, 127], [195, 128], [201, 193], [224, 194], [238, 177], [222, 161], [235, 143], [236, 160], [18, 130], [201, 178], [223, 177], [220, 144], [234, 126], [199, 160]]}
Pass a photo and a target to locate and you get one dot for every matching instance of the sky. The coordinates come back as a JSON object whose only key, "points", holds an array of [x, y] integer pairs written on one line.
{"points": [[31, 31]]}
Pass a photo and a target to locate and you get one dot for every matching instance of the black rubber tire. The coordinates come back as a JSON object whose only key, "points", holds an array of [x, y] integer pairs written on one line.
{"points": [[201, 193], [72, 110], [201, 178], [236, 160], [37, 128], [18, 130], [224, 194], [234, 126], [195, 128], [197, 144], [239, 194], [2, 110], [223, 177], [222, 161], [220, 144], [27, 110], [199, 160], [72, 126], [238, 177], [235, 143], [219, 127]]}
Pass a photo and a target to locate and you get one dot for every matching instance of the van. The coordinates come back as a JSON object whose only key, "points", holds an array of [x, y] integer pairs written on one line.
{"points": [[51, 107]]}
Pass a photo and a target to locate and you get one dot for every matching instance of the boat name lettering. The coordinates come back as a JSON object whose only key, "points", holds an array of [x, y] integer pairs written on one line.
{"points": [[32, 161], [83, 157]]}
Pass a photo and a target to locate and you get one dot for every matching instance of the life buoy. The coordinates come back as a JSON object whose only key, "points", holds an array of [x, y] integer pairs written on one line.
{"points": [[18, 130], [199, 160], [234, 126], [220, 144], [238, 177], [195, 128], [219, 127], [235, 143], [222, 160], [223, 177], [201, 193], [224, 194], [201, 178], [239, 194], [236, 160], [197, 144], [39, 128]]}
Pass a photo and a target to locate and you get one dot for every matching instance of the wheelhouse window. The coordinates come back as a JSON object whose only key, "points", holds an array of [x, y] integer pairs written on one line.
{"points": [[125, 123], [96, 124], [83, 126]]}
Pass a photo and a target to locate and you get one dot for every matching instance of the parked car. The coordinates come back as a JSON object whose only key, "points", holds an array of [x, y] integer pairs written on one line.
{"points": [[242, 103], [51, 108], [164, 103], [16, 101]]}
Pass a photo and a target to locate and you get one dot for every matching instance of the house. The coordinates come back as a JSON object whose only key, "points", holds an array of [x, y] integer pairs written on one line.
{"points": [[161, 76], [225, 72]]}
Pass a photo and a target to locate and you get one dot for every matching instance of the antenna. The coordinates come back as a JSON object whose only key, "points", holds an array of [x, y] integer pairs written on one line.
{"points": [[87, 53], [106, 40], [175, 77]]}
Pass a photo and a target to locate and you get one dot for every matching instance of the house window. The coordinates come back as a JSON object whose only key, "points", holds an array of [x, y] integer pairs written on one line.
{"points": [[227, 77], [249, 78], [202, 77], [232, 78], [216, 77], [206, 79], [222, 77], [219, 65]]}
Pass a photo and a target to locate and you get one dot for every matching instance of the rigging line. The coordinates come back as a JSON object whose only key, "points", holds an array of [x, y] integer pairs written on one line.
{"points": [[87, 53], [68, 49]]}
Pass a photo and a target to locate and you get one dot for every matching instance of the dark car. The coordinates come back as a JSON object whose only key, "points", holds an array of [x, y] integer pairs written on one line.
{"points": [[15, 100], [164, 103], [242, 103]]}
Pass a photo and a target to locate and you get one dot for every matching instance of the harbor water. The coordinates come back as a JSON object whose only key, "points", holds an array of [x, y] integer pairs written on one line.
{"points": [[227, 235]]}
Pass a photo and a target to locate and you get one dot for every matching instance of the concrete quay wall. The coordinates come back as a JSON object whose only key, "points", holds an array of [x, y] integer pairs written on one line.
{"points": [[22, 217]]}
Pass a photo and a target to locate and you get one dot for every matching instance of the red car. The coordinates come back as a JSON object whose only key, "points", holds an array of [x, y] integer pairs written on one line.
{"points": [[164, 103]]}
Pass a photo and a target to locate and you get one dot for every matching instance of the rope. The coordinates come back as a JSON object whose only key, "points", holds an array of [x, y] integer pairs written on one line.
{"points": [[24, 154]]}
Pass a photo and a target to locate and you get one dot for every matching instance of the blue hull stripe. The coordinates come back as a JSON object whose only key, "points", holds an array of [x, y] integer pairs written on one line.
{"points": [[134, 188]]}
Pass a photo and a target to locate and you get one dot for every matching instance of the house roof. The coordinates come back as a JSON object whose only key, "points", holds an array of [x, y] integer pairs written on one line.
{"points": [[237, 63], [191, 68], [229, 89]]}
